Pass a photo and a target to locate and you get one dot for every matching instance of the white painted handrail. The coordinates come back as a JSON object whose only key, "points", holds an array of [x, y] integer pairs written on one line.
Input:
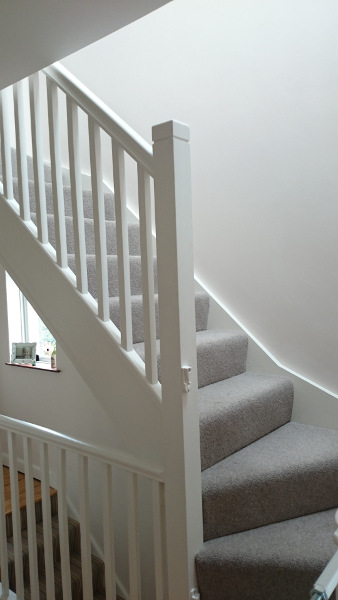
{"points": [[115, 457], [110, 122]]}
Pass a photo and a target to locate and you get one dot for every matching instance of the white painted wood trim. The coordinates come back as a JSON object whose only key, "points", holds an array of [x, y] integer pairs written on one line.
{"points": [[161, 582], [108, 530], [21, 149], [6, 143], [122, 247], [147, 265], [38, 162], [63, 525], [99, 221], [133, 538], [313, 404], [56, 169], [47, 522], [77, 200], [103, 115], [31, 519], [86, 556], [3, 536], [16, 521], [178, 349], [118, 458]]}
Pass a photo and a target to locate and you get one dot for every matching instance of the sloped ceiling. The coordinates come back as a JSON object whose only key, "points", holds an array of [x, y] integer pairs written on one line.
{"points": [[36, 33]]}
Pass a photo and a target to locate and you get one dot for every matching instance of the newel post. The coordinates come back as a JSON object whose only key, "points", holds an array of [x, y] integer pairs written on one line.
{"points": [[173, 214]]}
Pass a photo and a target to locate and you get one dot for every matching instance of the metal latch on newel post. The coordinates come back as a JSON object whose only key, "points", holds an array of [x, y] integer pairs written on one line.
{"points": [[186, 382]]}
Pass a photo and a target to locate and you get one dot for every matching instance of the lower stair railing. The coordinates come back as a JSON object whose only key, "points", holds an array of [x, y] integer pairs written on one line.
{"points": [[29, 532], [327, 582]]}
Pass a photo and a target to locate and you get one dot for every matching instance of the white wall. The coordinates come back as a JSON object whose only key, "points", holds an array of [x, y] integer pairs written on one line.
{"points": [[257, 82], [60, 401]]}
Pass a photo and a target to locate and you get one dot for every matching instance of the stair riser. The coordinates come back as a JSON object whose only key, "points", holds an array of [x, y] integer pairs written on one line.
{"points": [[220, 355], [226, 355], [113, 284], [133, 236], [286, 474], [267, 502], [87, 201], [276, 562], [240, 410], [201, 310]]}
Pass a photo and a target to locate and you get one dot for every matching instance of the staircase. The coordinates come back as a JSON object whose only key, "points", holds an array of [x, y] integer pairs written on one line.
{"points": [[74, 547], [269, 485]]}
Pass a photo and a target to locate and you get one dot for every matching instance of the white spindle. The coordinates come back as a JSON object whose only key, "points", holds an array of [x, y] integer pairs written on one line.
{"points": [[47, 522], [3, 534], [122, 247], [56, 168], [38, 162], [99, 220], [6, 143], [31, 519], [178, 350], [13, 470], [86, 559], [147, 263], [159, 538], [21, 149], [108, 531], [133, 538], [63, 526], [77, 201]]}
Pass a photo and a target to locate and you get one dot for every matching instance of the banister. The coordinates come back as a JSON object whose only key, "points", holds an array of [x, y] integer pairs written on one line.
{"points": [[110, 122], [119, 458], [327, 582]]}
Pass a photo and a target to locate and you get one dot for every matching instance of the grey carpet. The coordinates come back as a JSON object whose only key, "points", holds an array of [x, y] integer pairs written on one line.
{"points": [[238, 411], [219, 354], [275, 562], [133, 235], [201, 314], [287, 473]]}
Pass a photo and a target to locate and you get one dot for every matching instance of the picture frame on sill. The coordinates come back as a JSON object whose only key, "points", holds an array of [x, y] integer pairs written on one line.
{"points": [[23, 353]]}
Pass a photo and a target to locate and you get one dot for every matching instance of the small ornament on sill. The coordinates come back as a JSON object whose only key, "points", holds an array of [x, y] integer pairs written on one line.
{"points": [[53, 358]]}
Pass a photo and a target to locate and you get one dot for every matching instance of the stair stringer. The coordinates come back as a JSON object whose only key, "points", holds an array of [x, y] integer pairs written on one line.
{"points": [[115, 377]]}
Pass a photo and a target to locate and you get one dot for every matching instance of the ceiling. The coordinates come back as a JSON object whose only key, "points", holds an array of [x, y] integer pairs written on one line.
{"points": [[37, 33]]}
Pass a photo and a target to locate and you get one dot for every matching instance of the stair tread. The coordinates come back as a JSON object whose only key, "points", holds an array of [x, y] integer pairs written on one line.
{"points": [[220, 354], [287, 473], [293, 552], [237, 411]]}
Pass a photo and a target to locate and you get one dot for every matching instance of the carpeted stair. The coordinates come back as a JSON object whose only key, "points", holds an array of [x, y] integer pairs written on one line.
{"points": [[270, 486]]}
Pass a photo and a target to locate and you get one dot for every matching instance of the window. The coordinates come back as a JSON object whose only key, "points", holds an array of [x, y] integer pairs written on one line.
{"points": [[25, 325]]}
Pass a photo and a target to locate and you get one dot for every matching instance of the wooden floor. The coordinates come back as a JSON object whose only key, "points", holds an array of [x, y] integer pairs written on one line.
{"points": [[22, 490]]}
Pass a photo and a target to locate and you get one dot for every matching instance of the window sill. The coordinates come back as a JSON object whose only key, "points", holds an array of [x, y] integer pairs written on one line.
{"points": [[39, 367]]}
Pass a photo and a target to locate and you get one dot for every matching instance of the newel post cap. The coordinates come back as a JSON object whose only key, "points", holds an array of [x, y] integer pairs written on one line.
{"points": [[171, 129]]}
